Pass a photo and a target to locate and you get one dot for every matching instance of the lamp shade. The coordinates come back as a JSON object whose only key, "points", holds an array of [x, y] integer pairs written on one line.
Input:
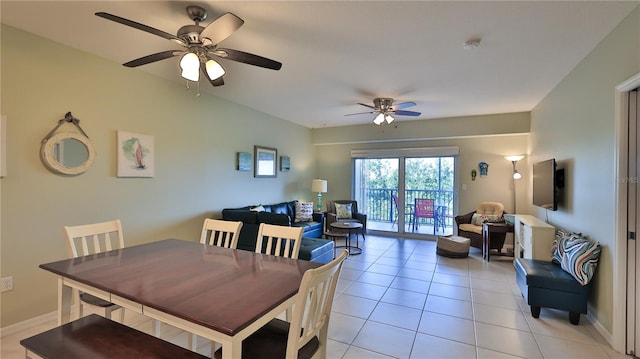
{"points": [[389, 118], [190, 65], [319, 186], [379, 119], [214, 69], [514, 158]]}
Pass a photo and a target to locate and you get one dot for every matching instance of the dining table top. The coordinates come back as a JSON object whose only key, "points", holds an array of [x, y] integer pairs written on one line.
{"points": [[218, 288]]}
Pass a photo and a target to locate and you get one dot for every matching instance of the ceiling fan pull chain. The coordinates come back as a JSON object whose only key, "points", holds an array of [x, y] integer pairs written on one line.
{"points": [[198, 84]]}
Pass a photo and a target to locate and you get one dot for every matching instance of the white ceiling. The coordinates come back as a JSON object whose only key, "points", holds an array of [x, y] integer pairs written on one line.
{"points": [[338, 53]]}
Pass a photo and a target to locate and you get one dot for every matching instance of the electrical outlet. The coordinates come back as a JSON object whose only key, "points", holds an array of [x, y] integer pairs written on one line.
{"points": [[6, 284]]}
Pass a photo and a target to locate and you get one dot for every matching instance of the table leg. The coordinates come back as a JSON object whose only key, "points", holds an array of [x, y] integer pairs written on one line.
{"points": [[64, 302]]}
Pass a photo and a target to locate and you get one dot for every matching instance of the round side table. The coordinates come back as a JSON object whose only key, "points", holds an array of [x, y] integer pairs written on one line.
{"points": [[351, 227]]}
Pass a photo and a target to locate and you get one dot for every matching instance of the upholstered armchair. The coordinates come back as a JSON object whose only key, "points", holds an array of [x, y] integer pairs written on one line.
{"points": [[346, 211], [470, 224]]}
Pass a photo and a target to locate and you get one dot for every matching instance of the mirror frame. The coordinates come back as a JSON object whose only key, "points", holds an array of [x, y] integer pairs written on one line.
{"points": [[46, 153]]}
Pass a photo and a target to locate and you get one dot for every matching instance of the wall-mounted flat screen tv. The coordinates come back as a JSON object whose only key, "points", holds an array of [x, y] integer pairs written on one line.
{"points": [[546, 189]]}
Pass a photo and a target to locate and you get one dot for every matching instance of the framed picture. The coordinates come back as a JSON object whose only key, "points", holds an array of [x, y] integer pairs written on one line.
{"points": [[264, 161], [285, 164], [135, 155], [243, 161]]}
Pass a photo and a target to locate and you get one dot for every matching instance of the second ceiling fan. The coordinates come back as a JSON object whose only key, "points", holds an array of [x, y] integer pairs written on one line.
{"points": [[384, 109], [201, 45]]}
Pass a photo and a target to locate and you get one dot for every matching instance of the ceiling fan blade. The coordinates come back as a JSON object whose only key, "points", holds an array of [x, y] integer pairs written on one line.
{"points": [[153, 58], [221, 28], [247, 58], [365, 105], [217, 82], [402, 105], [406, 113], [360, 113], [140, 26]]}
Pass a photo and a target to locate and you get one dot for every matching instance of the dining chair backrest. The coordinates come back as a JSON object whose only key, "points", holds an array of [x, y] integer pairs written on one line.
{"points": [[94, 238], [312, 308], [424, 208], [280, 241], [220, 233]]}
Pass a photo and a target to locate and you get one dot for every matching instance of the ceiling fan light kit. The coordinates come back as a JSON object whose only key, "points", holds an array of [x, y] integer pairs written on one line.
{"points": [[190, 65], [384, 109], [202, 46]]}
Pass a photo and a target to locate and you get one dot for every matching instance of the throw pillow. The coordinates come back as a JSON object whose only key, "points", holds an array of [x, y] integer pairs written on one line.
{"points": [[479, 219], [343, 211], [257, 209], [304, 212], [580, 258], [558, 245]]}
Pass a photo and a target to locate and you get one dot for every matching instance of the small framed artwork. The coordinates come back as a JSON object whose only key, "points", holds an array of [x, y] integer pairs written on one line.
{"points": [[135, 155], [285, 164], [265, 159], [243, 162]]}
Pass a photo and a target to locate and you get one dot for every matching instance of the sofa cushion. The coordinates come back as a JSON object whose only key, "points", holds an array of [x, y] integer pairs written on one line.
{"points": [[245, 216], [304, 212], [274, 218], [494, 208], [543, 274], [470, 228]]}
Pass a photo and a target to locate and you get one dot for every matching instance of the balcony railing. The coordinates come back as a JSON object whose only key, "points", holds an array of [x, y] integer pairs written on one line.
{"points": [[380, 206]]}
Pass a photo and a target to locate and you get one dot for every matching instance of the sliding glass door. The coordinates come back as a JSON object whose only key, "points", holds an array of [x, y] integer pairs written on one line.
{"points": [[406, 195]]}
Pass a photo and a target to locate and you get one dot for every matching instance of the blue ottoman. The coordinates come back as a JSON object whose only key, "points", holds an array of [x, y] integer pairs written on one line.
{"points": [[316, 250], [545, 284]]}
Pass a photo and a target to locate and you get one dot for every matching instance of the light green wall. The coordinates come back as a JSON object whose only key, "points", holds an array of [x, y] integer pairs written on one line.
{"points": [[470, 134], [196, 139], [575, 125]]}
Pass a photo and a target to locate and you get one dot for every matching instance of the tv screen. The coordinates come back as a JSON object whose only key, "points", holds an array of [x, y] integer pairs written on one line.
{"points": [[545, 193]]}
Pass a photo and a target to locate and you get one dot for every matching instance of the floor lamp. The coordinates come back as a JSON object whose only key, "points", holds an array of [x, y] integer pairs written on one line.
{"points": [[516, 176], [319, 186]]}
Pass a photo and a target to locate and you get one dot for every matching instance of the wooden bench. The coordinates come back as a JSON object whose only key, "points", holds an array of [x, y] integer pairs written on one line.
{"points": [[96, 337]]}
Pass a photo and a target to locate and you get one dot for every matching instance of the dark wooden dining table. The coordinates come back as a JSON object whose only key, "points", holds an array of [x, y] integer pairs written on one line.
{"points": [[220, 294]]}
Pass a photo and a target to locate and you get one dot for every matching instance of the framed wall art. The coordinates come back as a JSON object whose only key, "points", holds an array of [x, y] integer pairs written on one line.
{"points": [[135, 155], [243, 161], [285, 164], [265, 159]]}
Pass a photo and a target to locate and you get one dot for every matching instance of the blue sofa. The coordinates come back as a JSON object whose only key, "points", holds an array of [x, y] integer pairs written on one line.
{"points": [[312, 248]]}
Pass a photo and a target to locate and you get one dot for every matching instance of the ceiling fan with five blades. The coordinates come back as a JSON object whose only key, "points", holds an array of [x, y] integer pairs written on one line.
{"points": [[384, 108], [201, 45]]}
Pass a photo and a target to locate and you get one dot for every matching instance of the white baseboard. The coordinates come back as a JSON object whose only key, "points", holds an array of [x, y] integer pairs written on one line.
{"points": [[29, 323], [597, 326]]}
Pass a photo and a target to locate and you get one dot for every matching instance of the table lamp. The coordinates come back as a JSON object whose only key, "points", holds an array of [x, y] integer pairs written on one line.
{"points": [[319, 186]]}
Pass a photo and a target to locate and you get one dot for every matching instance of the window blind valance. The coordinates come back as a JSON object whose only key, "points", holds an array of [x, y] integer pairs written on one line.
{"points": [[406, 152]]}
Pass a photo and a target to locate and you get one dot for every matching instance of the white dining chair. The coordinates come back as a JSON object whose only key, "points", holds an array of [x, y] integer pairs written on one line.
{"points": [[220, 233], [305, 336], [280, 241], [89, 239]]}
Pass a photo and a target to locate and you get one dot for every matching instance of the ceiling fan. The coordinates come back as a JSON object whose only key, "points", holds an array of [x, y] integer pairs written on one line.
{"points": [[201, 45], [383, 108]]}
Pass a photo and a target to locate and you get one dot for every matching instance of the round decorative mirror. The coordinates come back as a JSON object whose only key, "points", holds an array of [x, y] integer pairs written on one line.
{"points": [[68, 153]]}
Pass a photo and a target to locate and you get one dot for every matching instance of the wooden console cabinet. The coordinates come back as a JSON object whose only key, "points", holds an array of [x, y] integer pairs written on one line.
{"points": [[533, 238]]}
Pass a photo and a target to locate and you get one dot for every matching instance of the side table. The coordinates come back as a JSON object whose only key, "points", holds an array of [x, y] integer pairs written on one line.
{"points": [[351, 227], [487, 229]]}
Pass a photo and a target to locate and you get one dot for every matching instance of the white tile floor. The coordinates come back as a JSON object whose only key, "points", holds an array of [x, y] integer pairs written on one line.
{"points": [[400, 300]]}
